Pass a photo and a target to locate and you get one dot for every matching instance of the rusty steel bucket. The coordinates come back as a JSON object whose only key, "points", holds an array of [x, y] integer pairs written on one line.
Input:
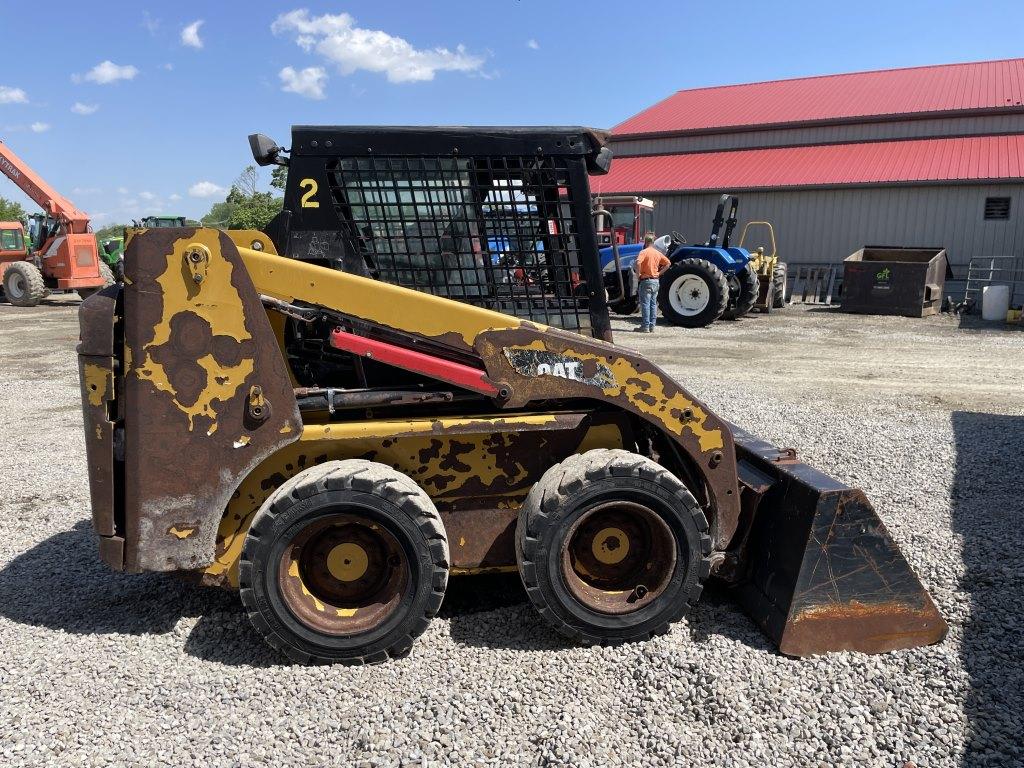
{"points": [[819, 572]]}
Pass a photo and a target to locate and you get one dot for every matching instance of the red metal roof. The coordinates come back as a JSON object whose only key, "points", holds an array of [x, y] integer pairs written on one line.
{"points": [[884, 162], [945, 88]]}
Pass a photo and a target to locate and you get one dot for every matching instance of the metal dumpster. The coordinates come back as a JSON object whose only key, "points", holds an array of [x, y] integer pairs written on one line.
{"points": [[891, 280]]}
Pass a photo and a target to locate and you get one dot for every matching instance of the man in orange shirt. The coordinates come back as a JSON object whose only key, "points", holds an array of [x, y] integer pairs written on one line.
{"points": [[649, 265]]}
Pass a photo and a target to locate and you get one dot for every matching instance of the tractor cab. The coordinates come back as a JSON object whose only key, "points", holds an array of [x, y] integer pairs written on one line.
{"points": [[40, 229], [12, 241], [153, 222], [630, 219]]}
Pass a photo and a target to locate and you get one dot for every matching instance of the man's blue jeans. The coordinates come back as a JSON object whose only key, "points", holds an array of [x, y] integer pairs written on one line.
{"points": [[648, 290]]}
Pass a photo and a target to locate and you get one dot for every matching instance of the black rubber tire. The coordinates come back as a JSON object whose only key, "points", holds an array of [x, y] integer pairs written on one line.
{"points": [[30, 289], [747, 297], [625, 306], [779, 275], [564, 493], [712, 276], [108, 280], [393, 501]]}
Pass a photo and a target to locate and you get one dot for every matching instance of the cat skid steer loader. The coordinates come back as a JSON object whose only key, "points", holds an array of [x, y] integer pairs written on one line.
{"points": [[335, 416]]}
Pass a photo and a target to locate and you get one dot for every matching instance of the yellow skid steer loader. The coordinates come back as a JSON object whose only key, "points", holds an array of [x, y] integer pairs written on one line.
{"points": [[409, 377]]}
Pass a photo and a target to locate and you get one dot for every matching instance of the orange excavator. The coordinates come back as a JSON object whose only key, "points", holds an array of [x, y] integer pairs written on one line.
{"points": [[61, 252]]}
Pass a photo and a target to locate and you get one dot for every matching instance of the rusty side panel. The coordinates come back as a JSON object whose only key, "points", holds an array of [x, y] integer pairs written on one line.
{"points": [[207, 393], [476, 470], [97, 317], [541, 363], [821, 572]]}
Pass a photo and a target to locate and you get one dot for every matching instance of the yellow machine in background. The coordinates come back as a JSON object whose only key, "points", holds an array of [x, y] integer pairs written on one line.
{"points": [[771, 273]]}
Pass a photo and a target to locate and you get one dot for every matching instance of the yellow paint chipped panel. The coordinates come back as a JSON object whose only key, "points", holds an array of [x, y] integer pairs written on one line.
{"points": [[214, 300], [96, 382], [640, 387], [424, 455], [181, 533]]}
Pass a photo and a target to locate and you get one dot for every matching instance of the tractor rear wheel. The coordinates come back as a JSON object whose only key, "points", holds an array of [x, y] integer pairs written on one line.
{"points": [[746, 296], [23, 284], [611, 547], [108, 280], [779, 275], [346, 562], [693, 293]]}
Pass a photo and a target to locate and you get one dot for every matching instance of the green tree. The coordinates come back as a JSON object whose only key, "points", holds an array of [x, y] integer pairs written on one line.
{"points": [[12, 211], [109, 231], [245, 206], [279, 177]]}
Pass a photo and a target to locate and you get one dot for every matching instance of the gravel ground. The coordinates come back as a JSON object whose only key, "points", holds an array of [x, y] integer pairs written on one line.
{"points": [[102, 668]]}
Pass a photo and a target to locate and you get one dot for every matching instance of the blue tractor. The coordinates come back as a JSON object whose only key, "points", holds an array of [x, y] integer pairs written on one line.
{"points": [[705, 282]]}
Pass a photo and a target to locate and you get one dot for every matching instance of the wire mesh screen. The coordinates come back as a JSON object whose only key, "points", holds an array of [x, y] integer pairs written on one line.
{"points": [[494, 231]]}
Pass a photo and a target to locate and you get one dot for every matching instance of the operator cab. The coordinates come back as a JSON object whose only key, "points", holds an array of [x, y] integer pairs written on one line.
{"points": [[631, 218]]}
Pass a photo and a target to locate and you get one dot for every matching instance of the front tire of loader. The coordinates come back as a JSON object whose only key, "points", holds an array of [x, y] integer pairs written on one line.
{"points": [[23, 284], [693, 293], [611, 547], [747, 296], [108, 280], [346, 562]]}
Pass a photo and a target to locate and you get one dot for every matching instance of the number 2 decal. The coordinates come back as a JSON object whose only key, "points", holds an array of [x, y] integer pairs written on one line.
{"points": [[311, 187]]}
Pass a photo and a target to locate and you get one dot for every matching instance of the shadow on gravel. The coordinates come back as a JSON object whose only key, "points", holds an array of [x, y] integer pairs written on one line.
{"points": [[988, 512], [61, 584]]}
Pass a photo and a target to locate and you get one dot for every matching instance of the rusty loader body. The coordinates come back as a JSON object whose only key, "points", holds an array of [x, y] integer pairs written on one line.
{"points": [[335, 416]]}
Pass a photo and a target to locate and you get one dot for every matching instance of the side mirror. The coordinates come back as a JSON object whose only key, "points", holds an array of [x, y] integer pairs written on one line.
{"points": [[265, 150]]}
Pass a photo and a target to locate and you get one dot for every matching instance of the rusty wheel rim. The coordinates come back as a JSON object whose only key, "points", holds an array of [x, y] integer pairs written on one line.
{"points": [[343, 575], [618, 557]]}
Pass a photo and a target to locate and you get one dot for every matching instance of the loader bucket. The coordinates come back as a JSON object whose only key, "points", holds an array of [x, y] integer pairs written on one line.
{"points": [[821, 572]]}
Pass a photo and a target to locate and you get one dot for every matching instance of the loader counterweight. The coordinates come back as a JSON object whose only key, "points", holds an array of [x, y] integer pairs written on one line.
{"points": [[335, 444]]}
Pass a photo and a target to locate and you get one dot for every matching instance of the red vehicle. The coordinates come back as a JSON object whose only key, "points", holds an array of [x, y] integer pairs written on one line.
{"points": [[61, 254], [631, 218]]}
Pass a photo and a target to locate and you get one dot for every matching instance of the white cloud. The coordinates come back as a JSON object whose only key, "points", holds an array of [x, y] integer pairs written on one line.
{"points": [[169, 67], [150, 24], [533, 44], [147, 195], [351, 48], [84, 109], [308, 82], [10, 95], [107, 72], [122, 190], [190, 34], [206, 189], [174, 197], [39, 127], [85, 190]]}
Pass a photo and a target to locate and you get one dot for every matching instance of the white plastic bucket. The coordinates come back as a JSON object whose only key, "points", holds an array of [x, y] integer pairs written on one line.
{"points": [[995, 301]]}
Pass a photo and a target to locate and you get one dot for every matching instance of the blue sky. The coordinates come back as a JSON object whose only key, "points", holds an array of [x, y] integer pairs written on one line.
{"points": [[162, 108]]}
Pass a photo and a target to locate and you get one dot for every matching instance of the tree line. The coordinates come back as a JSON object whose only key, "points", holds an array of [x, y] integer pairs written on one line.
{"points": [[244, 207]]}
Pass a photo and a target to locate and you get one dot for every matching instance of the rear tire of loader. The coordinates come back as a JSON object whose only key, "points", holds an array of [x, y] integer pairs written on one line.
{"points": [[611, 547], [346, 562], [23, 284]]}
